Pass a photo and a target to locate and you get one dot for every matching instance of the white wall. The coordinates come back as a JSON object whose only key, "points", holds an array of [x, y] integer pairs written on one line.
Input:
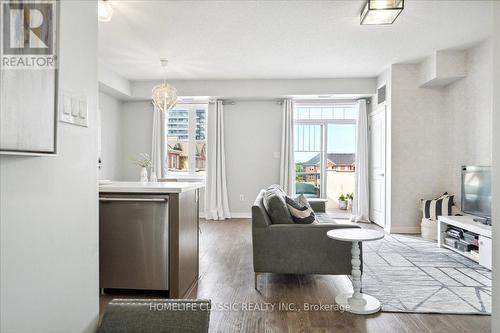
{"points": [[496, 173], [431, 132], [469, 107], [48, 207], [113, 83], [137, 125], [260, 89], [253, 134], [111, 137], [418, 147]]}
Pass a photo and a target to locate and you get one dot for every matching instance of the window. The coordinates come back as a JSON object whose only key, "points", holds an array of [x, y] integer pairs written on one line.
{"points": [[324, 144], [186, 139], [347, 111]]}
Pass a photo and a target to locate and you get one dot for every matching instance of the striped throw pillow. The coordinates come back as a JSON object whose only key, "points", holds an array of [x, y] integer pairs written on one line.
{"points": [[441, 206], [300, 210]]}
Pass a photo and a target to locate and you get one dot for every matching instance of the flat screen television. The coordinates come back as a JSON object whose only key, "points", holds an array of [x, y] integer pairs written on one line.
{"points": [[476, 190]]}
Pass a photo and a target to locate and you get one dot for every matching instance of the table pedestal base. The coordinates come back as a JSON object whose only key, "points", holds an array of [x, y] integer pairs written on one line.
{"points": [[371, 304]]}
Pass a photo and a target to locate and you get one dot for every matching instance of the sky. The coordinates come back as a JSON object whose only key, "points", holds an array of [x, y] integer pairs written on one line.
{"points": [[341, 139]]}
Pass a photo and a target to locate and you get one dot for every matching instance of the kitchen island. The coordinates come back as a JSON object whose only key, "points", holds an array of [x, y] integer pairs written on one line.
{"points": [[148, 236]]}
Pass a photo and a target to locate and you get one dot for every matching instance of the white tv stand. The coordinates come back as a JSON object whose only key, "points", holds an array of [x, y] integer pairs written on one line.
{"points": [[467, 222]]}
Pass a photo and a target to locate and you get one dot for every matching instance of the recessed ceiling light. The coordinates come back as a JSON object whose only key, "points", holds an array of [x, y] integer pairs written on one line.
{"points": [[381, 11]]}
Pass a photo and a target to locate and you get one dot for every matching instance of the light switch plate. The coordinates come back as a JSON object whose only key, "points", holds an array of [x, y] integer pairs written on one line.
{"points": [[66, 102], [82, 109], [73, 108]]}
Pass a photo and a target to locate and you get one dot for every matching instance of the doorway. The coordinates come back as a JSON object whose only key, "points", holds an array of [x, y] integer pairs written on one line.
{"points": [[325, 145], [377, 126]]}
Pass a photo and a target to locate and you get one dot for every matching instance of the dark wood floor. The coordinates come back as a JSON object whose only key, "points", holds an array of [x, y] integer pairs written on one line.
{"points": [[226, 277]]}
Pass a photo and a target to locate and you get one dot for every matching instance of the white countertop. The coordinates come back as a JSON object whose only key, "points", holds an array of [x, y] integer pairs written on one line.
{"points": [[149, 187]]}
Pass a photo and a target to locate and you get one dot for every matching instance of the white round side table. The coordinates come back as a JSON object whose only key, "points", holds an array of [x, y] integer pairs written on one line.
{"points": [[356, 302]]}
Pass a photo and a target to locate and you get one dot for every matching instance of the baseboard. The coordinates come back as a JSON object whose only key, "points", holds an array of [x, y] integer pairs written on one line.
{"points": [[241, 215], [233, 215], [405, 230]]}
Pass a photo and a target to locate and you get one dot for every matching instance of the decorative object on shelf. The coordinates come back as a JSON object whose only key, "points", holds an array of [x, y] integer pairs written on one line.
{"points": [[164, 95], [104, 11], [381, 11], [29, 78], [343, 202], [144, 175], [143, 161], [349, 197]]}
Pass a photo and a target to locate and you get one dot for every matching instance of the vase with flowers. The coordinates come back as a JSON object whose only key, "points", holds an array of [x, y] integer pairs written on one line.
{"points": [[143, 161]]}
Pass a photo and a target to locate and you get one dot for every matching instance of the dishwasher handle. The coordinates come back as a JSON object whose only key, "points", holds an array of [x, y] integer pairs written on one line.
{"points": [[104, 199]]}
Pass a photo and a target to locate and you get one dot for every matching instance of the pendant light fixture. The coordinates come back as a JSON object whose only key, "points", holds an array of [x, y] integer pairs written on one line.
{"points": [[164, 95], [104, 11], [381, 11]]}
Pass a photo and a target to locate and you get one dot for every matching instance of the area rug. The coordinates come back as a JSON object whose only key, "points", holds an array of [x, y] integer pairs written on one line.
{"points": [[410, 274]]}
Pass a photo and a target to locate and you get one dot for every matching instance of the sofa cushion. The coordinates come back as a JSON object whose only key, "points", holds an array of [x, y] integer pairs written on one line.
{"points": [[275, 204], [325, 218], [300, 210]]}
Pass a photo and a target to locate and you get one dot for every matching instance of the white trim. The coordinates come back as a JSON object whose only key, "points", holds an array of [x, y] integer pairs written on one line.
{"points": [[241, 215], [324, 101], [23, 153], [191, 108], [405, 230], [324, 121]]}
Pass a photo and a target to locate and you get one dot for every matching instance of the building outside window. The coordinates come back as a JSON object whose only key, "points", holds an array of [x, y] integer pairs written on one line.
{"points": [[186, 139]]}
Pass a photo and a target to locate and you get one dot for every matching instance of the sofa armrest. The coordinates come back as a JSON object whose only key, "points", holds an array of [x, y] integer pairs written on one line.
{"points": [[318, 205], [314, 226], [301, 249]]}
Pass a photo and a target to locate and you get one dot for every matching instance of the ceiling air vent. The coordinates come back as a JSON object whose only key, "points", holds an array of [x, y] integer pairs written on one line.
{"points": [[381, 94]]}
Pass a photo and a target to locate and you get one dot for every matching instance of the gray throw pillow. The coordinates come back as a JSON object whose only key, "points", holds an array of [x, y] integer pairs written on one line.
{"points": [[300, 210], [275, 204]]}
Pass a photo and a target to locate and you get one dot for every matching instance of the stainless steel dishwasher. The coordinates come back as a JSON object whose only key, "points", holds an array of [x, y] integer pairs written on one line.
{"points": [[133, 241]]}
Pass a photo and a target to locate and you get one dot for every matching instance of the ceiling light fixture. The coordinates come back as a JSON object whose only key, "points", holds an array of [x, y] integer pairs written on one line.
{"points": [[164, 95], [381, 11], [104, 11]]}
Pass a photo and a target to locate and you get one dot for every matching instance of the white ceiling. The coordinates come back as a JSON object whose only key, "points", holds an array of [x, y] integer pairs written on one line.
{"points": [[279, 39]]}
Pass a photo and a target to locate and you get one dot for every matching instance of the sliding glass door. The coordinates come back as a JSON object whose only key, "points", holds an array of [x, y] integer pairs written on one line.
{"points": [[325, 136], [308, 147]]}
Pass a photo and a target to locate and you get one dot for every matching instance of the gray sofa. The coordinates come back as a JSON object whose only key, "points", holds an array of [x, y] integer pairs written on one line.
{"points": [[297, 248]]}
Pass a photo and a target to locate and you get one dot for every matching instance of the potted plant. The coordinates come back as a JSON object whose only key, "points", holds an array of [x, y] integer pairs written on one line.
{"points": [[343, 202], [349, 198], [143, 161]]}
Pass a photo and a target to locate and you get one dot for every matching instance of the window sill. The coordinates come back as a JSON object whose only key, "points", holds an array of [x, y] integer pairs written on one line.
{"points": [[186, 177]]}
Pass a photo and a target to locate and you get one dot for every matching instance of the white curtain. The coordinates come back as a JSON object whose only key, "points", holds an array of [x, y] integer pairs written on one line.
{"points": [[361, 201], [157, 151], [216, 202], [287, 164]]}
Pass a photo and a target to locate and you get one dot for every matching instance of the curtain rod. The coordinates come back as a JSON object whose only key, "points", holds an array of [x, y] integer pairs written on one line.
{"points": [[329, 101], [223, 102]]}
